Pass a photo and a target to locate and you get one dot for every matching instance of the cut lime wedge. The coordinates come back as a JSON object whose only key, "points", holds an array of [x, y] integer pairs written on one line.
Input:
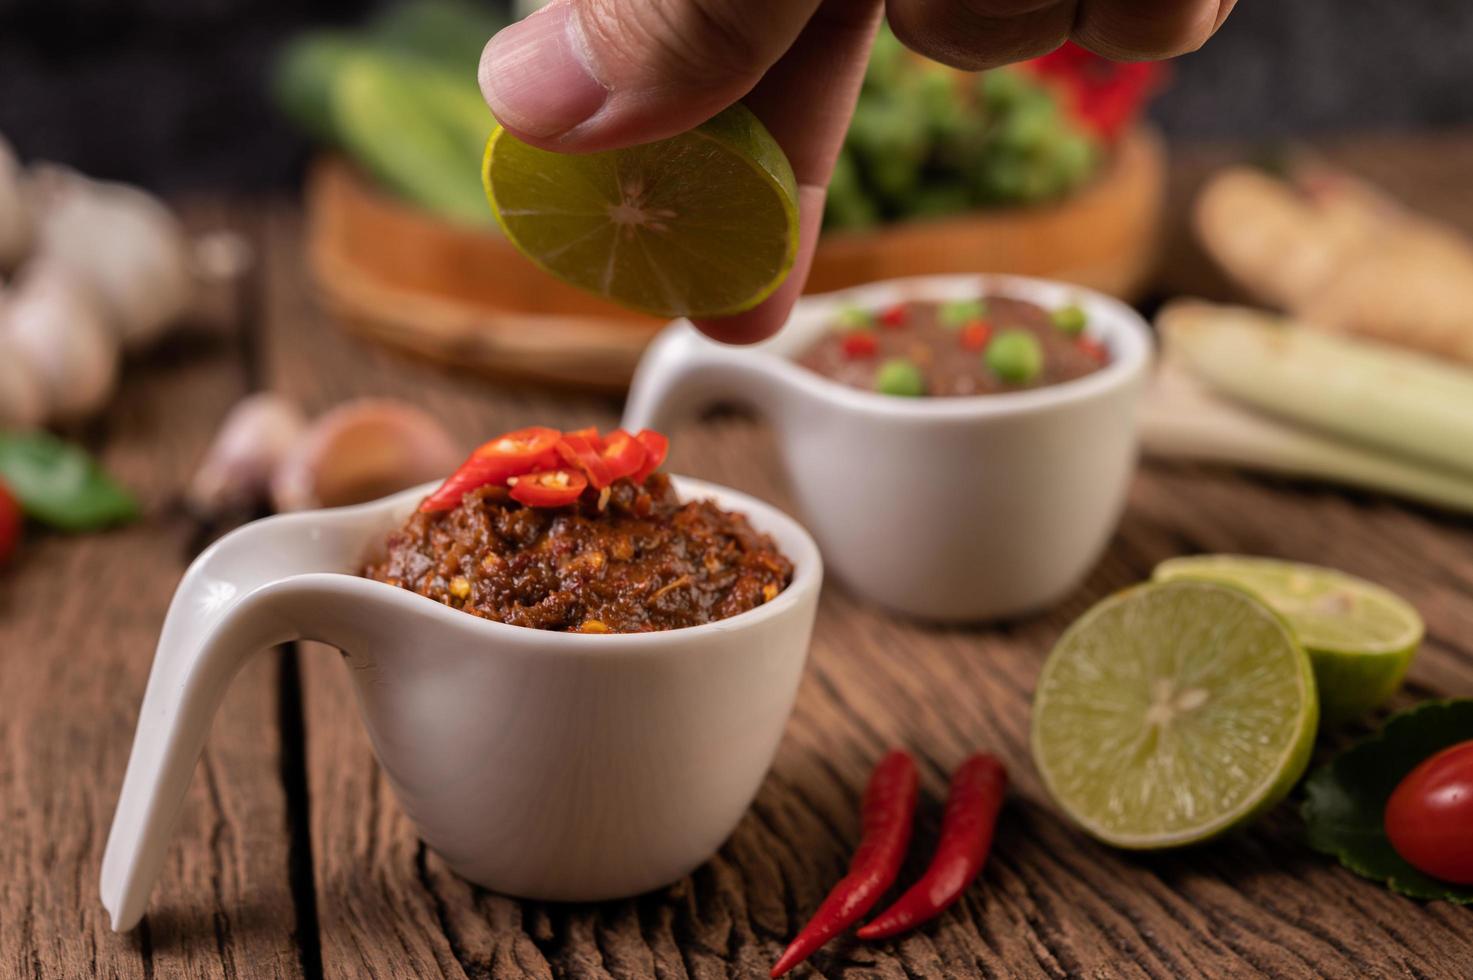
{"points": [[1360, 637], [1171, 713], [700, 224]]}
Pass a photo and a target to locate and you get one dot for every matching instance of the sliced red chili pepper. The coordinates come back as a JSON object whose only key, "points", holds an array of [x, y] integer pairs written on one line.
{"points": [[1094, 349], [549, 488], [975, 335], [591, 434], [656, 448], [513, 454], [859, 345], [888, 811], [977, 791], [895, 316], [578, 452], [622, 454]]}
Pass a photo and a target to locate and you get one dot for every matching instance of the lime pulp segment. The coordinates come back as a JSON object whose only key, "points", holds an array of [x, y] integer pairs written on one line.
{"points": [[1173, 712]]}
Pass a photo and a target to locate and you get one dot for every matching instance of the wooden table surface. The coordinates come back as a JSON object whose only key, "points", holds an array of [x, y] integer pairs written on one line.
{"points": [[292, 858]]}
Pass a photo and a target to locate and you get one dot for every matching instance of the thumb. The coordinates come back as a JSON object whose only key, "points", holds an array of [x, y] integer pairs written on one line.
{"points": [[583, 75]]}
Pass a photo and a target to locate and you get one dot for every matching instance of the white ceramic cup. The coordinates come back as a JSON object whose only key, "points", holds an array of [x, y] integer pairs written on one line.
{"points": [[539, 764], [951, 509]]}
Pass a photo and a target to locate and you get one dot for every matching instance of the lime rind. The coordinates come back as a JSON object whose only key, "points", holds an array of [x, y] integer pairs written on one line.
{"points": [[1223, 759], [582, 190]]}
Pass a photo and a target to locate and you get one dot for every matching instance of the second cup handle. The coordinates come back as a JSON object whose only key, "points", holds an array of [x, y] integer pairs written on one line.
{"points": [[682, 373]]}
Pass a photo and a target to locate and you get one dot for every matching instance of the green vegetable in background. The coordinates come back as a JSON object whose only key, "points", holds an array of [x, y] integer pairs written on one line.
{"points": [[418, 130], [58, 484], [400, 97], [925, 142], [1345, 800]]}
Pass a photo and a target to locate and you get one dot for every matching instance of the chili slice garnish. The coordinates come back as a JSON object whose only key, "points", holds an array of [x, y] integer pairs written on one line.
{"points": [[622, 454], [591, 434], [895, 316], [1093, 348], [493, 462], [577, 451], [656, 448], [977, 791], [859, 345], [888, 811], [548, 488], [975, 335]]}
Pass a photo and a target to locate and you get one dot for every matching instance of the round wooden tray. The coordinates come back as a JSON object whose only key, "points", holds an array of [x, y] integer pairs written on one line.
{"points": [[464, 297]]}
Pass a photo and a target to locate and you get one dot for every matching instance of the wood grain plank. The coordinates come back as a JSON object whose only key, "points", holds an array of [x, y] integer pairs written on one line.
{"points": [[1051, 904], [78, 621]]}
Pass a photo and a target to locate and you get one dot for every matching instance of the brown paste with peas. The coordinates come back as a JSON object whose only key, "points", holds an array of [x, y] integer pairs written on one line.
{"points": [[968, 347], [629, 560]]}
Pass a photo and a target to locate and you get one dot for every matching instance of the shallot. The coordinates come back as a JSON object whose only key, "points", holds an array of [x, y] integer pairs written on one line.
{"points": [[252, 443], [361, 450]]}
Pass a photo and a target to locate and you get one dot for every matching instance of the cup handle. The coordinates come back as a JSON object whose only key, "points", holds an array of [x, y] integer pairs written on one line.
{"points": [[257, 587], [683, 373]]}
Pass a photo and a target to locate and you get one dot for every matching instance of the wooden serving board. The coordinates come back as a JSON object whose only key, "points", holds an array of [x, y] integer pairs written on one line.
{"points": [[463, 296]]}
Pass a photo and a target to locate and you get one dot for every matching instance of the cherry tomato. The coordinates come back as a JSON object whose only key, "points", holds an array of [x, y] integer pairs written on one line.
{"points": [[1429, 817], [10, 521], [656, 448], [578, 452], [493, 462], [549, 488], [975, 335], [622, 454], [859, 344]]}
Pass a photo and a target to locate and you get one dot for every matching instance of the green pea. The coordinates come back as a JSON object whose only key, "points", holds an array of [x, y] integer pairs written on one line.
{"points": [[855, 318], [1015, 356], [1070, 319], [900, 376], [958, 314]]}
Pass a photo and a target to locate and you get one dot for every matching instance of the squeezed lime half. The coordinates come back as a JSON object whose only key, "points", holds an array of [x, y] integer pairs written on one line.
{"points": [[701, 224], [1173, 712], [1360, 637]]}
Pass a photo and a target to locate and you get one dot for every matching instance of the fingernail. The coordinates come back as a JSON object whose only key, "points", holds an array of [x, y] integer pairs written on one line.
{"points": [[535, 76]]}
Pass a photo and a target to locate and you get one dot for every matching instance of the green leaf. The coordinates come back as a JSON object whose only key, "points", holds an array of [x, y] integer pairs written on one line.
{"points": [[1345, 800], [59, 484]]}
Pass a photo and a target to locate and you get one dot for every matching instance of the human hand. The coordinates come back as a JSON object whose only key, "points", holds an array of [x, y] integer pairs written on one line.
{"points": [[585, 75]]}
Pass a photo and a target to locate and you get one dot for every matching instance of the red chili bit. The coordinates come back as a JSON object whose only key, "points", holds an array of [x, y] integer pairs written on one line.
{"points": [[975, 335], [895, 316], [1094, 349], [977, 790], [888, 809], [859, 344]]}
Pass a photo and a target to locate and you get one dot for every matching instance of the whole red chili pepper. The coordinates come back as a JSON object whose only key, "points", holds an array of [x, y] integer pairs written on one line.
{"points": [[888, 810], [977, 790]]}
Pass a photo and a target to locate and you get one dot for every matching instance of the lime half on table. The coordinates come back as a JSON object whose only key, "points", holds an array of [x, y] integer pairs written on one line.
{"points": [[1359, 636], [701, 224], [1171, 713]]}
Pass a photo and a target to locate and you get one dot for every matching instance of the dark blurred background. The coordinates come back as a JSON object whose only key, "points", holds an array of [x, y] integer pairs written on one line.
{"points": [[171, 93]]}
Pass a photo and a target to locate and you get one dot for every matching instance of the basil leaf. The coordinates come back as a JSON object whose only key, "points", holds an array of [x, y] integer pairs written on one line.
{"points": [[1346, 799], [58, 484]]}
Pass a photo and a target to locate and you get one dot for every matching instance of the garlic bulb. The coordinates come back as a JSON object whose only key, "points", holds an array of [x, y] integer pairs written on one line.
{"points": [[22, 399], [362, 450], [252, 442], [53, 320], [123, 242], [15, 211]]}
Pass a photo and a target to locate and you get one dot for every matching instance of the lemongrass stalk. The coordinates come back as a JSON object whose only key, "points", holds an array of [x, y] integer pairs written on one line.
{"points": [[1383, 397], [1182, 419]]}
